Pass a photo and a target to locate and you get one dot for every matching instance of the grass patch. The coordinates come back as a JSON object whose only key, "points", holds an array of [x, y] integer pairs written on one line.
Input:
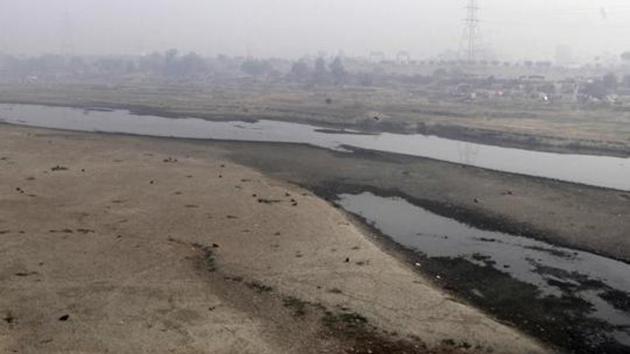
{"points": [[296, 305], [344, 321], [211, 263], [208, 257], [260, 288]]}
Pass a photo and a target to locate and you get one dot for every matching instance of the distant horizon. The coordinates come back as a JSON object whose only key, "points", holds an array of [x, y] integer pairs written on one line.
{"points": [[389, 57], [512, 31]]}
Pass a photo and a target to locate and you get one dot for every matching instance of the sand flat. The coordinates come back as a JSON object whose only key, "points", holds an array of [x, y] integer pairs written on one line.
{"points": [[149, 245]]}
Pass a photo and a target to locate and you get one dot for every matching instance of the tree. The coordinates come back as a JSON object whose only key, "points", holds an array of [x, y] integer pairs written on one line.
{"points": [[601, 88], [440, 74], [338, 70], [300, 70], [77, 65], [170, 62], [190, 65], [110, 66], [320, 73], [152, 63], [610, 82], [255, 67]]}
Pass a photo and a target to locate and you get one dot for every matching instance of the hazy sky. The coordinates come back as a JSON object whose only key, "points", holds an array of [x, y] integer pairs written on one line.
{"points": [[513, 29]]}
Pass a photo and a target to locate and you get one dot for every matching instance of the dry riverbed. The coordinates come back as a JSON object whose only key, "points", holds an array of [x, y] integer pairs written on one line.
{"points": [[130, 245]]}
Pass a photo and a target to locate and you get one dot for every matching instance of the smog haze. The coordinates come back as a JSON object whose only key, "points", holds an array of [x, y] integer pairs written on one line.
{"points": [[511, 30]]}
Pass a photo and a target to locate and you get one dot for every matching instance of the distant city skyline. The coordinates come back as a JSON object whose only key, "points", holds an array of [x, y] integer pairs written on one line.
{"points": [[513, 30]]}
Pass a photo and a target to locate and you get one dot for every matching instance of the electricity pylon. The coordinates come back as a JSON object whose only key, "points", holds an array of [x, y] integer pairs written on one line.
{"points": [[469, 46]]}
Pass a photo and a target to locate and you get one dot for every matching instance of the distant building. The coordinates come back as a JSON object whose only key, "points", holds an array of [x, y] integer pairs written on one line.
{"points": [[377, 57], [403, 57]]}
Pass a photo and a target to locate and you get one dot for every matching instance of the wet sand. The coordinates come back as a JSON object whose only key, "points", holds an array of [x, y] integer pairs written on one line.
{"points": [[127, 245], [576, 216]]}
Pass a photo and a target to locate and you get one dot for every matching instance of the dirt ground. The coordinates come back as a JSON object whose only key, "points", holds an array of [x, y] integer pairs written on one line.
{"points": [[132, 245]]}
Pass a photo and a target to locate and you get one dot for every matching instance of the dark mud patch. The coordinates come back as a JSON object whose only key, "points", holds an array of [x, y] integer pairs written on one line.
{"points": [[572, 299], [359, 336], [560, 320]]}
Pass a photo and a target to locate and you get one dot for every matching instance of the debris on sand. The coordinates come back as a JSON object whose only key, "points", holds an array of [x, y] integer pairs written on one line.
{"points": [[296, 305], [59, 168], [25, 274], [85, 231], [9, 318], [65, 231], [64, 318], [268, 201], [260, 288]]}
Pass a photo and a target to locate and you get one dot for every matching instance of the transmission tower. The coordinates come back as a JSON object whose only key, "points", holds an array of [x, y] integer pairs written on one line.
{"points": [[472, 32]]}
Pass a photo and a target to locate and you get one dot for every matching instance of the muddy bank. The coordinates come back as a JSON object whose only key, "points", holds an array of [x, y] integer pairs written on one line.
{"points": [[575, 216], [127, 245], [536, 142]]}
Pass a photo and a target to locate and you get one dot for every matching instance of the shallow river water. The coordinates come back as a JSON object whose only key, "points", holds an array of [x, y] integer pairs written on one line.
{"points": [[602, 171]]}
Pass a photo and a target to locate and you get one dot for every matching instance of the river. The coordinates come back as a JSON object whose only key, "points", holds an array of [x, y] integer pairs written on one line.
{"points": [[600, 171]]}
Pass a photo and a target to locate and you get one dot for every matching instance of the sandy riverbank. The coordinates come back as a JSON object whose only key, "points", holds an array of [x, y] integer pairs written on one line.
{"points": [[136, 245]]}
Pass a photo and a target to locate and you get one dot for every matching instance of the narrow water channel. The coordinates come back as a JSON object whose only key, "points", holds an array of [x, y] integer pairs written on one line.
{"points": [[575, 299], [602, 171]]}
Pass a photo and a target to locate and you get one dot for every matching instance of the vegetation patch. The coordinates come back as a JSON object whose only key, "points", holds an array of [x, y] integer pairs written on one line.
{"points": [[344, 321], [207, 256], [260, 288], [298, 306]]}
